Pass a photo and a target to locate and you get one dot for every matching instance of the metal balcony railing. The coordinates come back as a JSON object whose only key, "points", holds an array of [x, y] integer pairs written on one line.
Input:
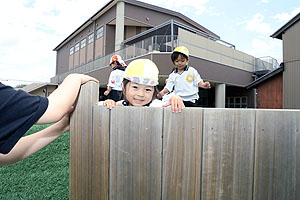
{"points": [[266, 63], [166, 43]]}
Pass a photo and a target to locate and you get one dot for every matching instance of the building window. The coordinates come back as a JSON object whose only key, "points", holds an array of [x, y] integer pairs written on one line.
{"points": [[99, 33], [71, 51], [83, 43], [91, 38], [236, 102], [76, 47]]}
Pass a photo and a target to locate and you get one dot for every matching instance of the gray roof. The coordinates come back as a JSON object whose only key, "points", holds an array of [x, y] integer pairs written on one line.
{"points": [[279, 32], [138, 3], [265, 77], [35, 86]]}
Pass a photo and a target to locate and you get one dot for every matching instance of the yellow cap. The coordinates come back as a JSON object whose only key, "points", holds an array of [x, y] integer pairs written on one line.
{"points": [[142, 71], [182, 50]]}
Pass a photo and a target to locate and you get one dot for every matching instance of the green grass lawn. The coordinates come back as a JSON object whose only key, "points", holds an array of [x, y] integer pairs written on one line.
{"points": [[44, 175]]}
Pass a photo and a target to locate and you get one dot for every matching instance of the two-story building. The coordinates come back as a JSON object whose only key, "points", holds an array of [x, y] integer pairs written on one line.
{"points": [[134, 29]]}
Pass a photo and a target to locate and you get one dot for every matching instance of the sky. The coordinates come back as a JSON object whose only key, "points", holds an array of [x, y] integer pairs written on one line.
{"points": [[31, 29]]}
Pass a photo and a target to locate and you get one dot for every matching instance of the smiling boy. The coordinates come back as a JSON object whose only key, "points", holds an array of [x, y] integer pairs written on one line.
{"points": [[184, 79]]}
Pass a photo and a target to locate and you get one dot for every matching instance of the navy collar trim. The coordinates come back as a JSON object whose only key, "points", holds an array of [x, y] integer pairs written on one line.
{"points": [[119, 68], [184, 69], [126, 103]]}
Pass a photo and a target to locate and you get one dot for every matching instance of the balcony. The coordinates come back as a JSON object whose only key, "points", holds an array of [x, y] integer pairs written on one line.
{"points": [[199, 45]]}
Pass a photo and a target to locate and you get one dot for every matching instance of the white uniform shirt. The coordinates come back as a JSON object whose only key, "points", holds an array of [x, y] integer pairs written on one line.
{"points": [[185, 84], [115, 79]]}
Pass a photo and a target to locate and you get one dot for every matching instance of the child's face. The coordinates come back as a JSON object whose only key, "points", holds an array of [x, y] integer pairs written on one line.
{"points": [[114, 64], [180, 62], [138, 94]]}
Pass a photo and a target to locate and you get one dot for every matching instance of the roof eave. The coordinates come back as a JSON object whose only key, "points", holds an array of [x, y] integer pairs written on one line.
{"points": [[279, 32], [111, 3], [87, 23], [174, 13], [265, 77]]}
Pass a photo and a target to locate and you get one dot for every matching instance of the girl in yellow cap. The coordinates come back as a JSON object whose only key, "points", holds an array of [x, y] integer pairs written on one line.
{"points": [[184, 79], [139, 87]]}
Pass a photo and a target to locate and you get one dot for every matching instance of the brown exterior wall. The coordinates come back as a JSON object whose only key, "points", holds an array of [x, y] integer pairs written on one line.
{"points": [[71, 61], [220, 73], [269, 93], [62, 60], [129, 32], [148, 16], [76, 59], [63, 54], [49, 89], [109, 39], [90, 51], [82, 56], [208, 70], [99, 48]]}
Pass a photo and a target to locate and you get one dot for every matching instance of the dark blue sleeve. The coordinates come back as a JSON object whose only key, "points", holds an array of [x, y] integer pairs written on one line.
{"points": [[18, 112]]}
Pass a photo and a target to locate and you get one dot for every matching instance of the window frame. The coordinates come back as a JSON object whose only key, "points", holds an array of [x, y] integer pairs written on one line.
{"points": [[91, 38], [71, 50], [236, 102], [83, 43], [77, 47], [99, 32]]}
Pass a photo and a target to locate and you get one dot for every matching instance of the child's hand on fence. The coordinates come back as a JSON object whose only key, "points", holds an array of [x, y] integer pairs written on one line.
{"points": [[106, 92], [176, 104], [205, 85], [109, 103], [159, 96]]}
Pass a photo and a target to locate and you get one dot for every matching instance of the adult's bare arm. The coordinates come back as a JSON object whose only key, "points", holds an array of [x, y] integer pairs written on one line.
{"points": [[64, 97]]}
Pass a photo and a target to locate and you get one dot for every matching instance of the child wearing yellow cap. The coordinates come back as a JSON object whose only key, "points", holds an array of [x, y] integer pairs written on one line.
{"points": [[139, 87], [184, 80]]}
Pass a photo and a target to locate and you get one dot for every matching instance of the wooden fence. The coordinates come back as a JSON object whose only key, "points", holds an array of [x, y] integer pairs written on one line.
{"points": [[151, 153]]}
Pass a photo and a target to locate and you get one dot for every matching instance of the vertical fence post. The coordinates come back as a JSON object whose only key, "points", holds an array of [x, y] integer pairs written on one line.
{"points": [[228, 154], [277, 159], [135, 153], [100, 153], [182, 144], [80, 142]]}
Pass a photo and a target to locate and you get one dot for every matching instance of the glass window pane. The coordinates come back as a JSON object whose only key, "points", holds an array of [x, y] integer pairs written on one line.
{"points": [[83, 43], [91, 38], [77, 47], [71, 50], [99, 32]]}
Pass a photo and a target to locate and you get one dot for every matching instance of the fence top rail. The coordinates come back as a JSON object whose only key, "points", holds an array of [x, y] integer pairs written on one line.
{"points": [[92, 88]]}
